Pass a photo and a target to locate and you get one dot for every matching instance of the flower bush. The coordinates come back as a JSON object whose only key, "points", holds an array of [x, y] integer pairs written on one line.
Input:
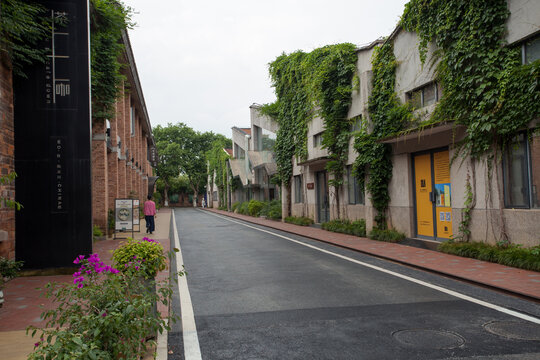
{"points": [[146, 255], [103, 314]]}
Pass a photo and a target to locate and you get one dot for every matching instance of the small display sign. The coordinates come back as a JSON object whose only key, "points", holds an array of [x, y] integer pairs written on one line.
{"points": [[310, 186], [123, 214]]}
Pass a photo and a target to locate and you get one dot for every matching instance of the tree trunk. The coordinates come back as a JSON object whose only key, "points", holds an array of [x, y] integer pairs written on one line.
{"points": [[166, 195], [336, 188]]}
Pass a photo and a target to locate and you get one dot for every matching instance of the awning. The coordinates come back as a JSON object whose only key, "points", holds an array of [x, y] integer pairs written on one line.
{"points": [[260, 158], [426, 138], [314, 161], [238, 169]]}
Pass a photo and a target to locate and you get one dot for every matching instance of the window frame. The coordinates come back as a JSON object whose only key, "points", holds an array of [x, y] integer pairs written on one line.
{"points": [[317, 140], [298, 189], [421, 90], [358, 196], [524, 45], [528, 175]]}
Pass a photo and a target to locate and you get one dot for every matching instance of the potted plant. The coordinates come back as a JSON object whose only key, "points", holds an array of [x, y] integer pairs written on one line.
{"points": [[8, 270]]}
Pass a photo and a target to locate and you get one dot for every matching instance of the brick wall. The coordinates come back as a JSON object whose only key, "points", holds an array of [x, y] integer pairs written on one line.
{"points": [[7, 161]]}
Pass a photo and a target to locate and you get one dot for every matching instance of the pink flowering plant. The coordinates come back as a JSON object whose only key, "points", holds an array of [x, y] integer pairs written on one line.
{"points": [[103, 313], [146, 256]]}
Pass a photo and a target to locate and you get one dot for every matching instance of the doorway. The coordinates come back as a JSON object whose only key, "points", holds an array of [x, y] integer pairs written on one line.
{"points": [[433, 194], [323, 206]]}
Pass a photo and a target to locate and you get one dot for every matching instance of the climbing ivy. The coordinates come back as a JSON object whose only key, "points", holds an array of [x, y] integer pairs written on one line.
{"points": [[108, 18], [22, 26], [309, 85], [388, 116], [217, 164], [485, 86]]}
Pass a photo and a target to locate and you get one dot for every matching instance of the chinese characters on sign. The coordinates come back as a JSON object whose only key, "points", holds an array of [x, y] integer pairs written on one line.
{"points": [[57, 77], [59, 203]]}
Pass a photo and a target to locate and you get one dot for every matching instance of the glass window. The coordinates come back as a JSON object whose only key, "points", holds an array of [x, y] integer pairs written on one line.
{"points": [[424, 96], [430, 94], [357, 124], [298, 194], [355, 193], [532, 50], [317, 140], [132, 120], [521, 173]]}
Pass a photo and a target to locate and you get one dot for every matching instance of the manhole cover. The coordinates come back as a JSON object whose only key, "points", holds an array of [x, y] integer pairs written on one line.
{"points": [[520, 330], [429, 339]]}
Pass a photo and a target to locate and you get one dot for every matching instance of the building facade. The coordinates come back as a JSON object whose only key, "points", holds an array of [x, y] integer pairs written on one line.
{"points": [[123, 148], [428, 190]]}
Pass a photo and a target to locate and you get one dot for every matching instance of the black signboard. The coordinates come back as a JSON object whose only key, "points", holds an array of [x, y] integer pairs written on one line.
{"points": [[53, 144]]}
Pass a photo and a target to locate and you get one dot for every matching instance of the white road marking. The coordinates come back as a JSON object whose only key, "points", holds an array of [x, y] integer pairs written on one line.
{"points": [[405, 277], [192, 350]]}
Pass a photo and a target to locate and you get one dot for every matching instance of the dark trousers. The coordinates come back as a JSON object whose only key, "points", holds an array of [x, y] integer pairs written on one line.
{"points": [[150, 226]]}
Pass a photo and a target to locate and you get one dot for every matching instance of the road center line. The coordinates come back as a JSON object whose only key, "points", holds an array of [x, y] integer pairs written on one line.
{"points": [[192, 350], [405, 277]]}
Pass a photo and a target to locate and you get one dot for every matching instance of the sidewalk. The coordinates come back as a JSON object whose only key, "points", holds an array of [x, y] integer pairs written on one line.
{"points": [[23, 300], [522, 282]]}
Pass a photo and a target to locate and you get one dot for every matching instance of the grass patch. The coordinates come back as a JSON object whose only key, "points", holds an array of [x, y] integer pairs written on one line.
{"points": [[388, 235], [512, 255], [357, 228], [299, 220]]}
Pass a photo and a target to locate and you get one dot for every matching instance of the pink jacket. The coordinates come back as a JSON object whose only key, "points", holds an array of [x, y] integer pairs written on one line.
{"points": [[149, 208]]}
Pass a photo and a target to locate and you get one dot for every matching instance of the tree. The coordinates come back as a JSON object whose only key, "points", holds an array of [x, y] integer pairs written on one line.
{"points": [[182, 152]]}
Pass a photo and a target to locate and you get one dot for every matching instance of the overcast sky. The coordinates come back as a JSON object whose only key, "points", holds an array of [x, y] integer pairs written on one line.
{"points": [[204, 63]]}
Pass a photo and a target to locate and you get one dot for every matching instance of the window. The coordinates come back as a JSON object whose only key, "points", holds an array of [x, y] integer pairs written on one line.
{"points": [[317, 140], [357, 124], [531, 50], [239, 152], [215, 196], [425, 96], [356, 193], [298, 194], [132, 120], [521, 173]]}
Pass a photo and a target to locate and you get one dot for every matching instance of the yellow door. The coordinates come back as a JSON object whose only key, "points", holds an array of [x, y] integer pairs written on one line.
{"points": [[443, 194], [424, 206]]}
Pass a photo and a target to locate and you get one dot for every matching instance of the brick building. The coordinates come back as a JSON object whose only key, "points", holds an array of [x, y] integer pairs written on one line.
{"points": [[7, 159], [122, 147]]}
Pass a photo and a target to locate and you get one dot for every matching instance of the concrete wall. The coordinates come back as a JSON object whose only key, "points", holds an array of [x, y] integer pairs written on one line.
{"points": [[523, 20]]}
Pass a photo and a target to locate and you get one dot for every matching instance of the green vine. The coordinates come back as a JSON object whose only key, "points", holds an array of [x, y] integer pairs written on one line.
{"points": [[217, 164], [388, 117], [22, 26], [486, 86], [308, 85], [108, 18]]}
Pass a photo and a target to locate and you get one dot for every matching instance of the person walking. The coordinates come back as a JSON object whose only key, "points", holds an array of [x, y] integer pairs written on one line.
{"points": [[149, 213]]}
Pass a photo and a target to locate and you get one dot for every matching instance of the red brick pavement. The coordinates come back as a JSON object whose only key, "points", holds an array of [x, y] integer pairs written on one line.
{"points": [[515, 280]]}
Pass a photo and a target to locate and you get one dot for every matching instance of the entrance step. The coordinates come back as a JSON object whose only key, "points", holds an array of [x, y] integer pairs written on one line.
{"points": [[421, 243]]}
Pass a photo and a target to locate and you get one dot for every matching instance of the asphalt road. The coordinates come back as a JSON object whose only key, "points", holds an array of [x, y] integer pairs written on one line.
{"points": [[260, 296]]}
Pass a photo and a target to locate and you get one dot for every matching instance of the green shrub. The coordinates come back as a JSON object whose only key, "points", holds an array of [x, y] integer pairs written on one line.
{"points": [[222, 207], [271, 209], [103, 314], [388, 235], [8, 270], [96, 231], [157, 199], [235, 206], [173, 198], [243, 208], [357, 228], [149, 251], [299, 220], [255, 207], [110, 220], [512, 255]]}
